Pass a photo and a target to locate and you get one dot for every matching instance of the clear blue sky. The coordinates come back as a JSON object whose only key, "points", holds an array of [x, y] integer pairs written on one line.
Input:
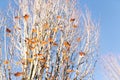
{"points": [[107, 12]]}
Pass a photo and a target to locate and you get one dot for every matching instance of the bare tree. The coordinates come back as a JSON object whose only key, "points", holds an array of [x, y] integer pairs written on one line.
{"points": [[48, 40], [111, 64]]}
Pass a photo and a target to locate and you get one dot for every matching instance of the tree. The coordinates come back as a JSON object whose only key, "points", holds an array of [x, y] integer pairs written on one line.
{"points": [[111, 66], [48, 40]]}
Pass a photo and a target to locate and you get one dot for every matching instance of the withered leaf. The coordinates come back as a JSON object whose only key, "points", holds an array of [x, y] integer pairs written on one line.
{"points": [[17, 74]]}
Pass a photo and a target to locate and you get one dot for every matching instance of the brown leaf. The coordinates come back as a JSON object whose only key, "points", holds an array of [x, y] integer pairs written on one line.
{"points": [[17, 74], [78, 39], [75, 26], [26, 16], [42, 60], [17, 17], [39, 55], [67, 44], [8, 30], [82, 54], [50, 39], [72, 19], [55, 44]]}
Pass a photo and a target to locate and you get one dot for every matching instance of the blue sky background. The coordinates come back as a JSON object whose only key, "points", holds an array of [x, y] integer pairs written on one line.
{"points": [[107, 12]]}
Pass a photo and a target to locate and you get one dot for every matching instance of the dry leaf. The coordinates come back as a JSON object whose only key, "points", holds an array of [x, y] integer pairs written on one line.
{"points": [[26, 16], [6, 62], [43, 42], [72, 19], [78, 39], [17, 74], [17, 17], [46, 66], [55, 44], [54, 29], [8, 30], [30, 59], [50, 39], [66, 44], [75, 26], [39, 55], [69, 70], [34, 30], [42, 60], [46, 26], [82, 54], [58, 17]]}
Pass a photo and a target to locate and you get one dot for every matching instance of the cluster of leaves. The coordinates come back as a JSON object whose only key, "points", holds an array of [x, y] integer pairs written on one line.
{"points": [[49, 40]]}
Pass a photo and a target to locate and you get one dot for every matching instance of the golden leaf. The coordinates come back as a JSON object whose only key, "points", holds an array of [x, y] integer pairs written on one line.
{"points": [[6, 62], [39, 55], [34, 30], [42, 60], [58, 17], [46, 26], [54, 29], [66, 44], [43, 42], [69, 70], [30, 59], [50, 39], [46, 66]]}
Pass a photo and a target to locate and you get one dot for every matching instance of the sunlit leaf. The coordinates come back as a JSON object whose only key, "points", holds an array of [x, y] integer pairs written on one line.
{"points": [[42, 60], [46, 26], [46, 66], [30, 59], [69, 70], [34, 30], [66, 44], [55, 29], [39, 55], [58, 17], [50, 39], [6, 62], [43, 42]]}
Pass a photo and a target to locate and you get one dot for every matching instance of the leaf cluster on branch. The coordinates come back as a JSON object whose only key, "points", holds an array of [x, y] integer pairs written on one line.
{"points": [[48, 40]]}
